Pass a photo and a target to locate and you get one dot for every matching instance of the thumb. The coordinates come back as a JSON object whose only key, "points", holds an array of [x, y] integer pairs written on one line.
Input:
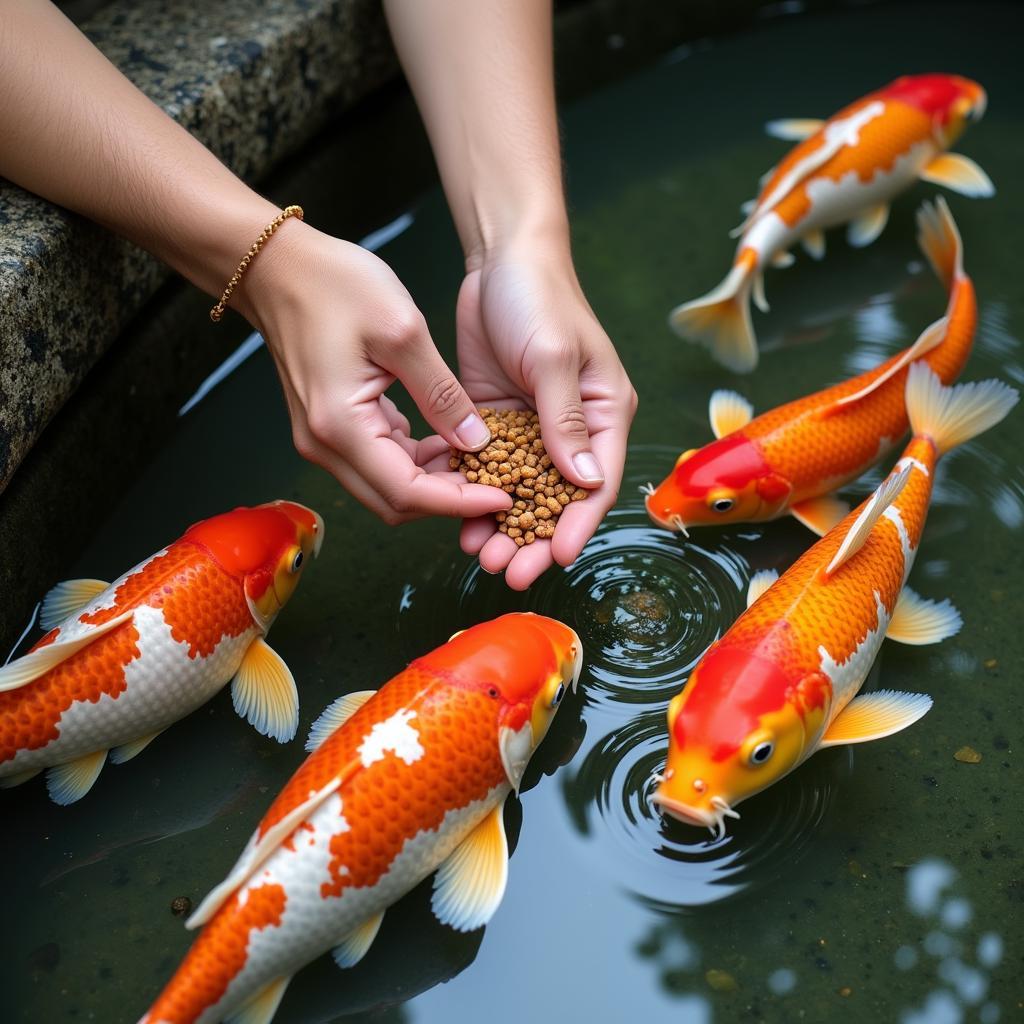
{"points": [[563, 424], [438, 395]]}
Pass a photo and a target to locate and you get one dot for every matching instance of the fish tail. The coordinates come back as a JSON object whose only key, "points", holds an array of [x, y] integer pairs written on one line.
{"points": [[949, 416], [939, 239], [721, 319]]}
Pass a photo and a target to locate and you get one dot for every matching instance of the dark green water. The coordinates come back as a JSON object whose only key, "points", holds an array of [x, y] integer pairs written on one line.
{"points": [[884, 883]]}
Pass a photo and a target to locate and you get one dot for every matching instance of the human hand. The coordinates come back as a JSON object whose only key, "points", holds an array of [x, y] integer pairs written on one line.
{"points": [[527, 337], [342, 328]]}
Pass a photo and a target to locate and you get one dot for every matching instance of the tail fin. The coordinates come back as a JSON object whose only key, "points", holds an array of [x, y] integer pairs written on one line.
{"points": [[939, 239], [721, 319], [951, 416]]}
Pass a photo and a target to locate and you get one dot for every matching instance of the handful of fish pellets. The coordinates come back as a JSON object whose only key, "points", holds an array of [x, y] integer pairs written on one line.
{"points": [[515, 460]]}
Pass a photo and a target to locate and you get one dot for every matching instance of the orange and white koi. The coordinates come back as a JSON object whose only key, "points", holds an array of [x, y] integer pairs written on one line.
{"points": [[847, 169], [122, 661], [401, 782], [782, 683], [790, 458]]}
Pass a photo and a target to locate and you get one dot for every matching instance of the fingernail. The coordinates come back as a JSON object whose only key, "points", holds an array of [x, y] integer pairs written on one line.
{"points": [[588, 467], [472, 433]]}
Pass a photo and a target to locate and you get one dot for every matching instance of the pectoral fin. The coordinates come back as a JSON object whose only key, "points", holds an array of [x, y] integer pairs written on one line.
{"points": [[336, 715], [814, 244], [794, 129], [759, 583], [961, 174], [264, 694], [873, 716], [68, 597], [469, 885], [781, 260], [262, 1007], [69, 782], [728, 411], [357, 943], [916, 620], [820, 514], [865, 228], [127, 751]]}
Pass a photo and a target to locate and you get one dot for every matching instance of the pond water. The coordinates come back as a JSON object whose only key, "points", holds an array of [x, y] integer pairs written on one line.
{"points": [[879, 883]]}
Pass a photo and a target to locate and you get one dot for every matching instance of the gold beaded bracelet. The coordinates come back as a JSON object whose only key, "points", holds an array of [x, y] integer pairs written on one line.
{"points": [[289, 211]]}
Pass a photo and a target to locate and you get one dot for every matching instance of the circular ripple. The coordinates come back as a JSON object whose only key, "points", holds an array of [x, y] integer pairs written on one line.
{"points": [[646, 603], [669, 864]]}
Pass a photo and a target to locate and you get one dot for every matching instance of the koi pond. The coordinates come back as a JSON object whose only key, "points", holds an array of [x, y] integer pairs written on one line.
{"points": [[882, 882]]}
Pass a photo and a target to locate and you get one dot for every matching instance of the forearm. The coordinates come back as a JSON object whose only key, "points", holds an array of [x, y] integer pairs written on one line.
{"points": [[482, 75], [78, 133]]}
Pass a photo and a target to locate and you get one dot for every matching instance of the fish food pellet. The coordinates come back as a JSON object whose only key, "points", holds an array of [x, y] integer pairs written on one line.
{"points": [[516, 461]]}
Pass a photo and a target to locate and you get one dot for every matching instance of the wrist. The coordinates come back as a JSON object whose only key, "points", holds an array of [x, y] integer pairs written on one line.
{"points": [[542, 233]]}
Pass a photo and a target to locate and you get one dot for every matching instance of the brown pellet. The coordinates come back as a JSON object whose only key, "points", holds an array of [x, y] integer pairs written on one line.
{"points": [[516, 461]]}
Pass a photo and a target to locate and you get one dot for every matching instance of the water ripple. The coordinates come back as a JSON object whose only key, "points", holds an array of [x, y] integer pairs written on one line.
{"points": [[669, 864]]}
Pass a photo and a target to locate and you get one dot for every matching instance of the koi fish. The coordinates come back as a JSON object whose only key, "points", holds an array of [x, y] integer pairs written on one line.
{"points": [[788, 459], [401, 782], [122, 661], [846, 169], [782, 683]]}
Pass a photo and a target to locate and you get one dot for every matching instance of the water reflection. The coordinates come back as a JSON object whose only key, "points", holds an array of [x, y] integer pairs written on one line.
{"points": [[931, 895]]}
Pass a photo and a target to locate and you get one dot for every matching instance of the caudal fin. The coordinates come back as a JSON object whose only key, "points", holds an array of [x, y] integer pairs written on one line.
{"points": [[939, 239], [721, 319], [953, 415]]}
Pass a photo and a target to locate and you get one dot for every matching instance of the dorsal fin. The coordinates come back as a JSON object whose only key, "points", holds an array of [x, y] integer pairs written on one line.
{"points": [[794, 129], [335, 715], [258, 850], [873, 509], [36, 663], [931, 336], [835, 135], [759, 583], [67, 597]]}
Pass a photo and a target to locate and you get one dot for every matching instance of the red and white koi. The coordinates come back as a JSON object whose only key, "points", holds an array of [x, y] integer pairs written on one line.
{"points": [[782, 683], [846, 169], [790, 458], [122, 661], [401, 782]]}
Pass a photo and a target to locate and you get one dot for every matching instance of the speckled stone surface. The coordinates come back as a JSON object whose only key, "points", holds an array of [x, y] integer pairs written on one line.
{"points": [[252, 81]]}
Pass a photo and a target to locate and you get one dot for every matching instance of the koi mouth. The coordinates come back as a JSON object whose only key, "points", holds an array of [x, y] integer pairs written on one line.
{"points": [[713, 819], [674, 522]]}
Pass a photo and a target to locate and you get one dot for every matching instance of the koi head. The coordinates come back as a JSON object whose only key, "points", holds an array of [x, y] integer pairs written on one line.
{"points": [[266, 547], [952, 102], [525, 663], [741, 724], [726, 481]]}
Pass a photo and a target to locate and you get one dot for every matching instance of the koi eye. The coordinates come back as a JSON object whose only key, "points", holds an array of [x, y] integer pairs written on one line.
{"points": [[297, 561], [722, 504], [492, 691], [762, 752], [559, 694]]}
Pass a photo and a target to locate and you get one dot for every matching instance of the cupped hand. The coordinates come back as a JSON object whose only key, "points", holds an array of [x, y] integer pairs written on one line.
{"points": [[527, 337], [342, 328]]}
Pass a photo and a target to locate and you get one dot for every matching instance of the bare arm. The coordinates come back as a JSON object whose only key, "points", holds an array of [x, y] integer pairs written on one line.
{"points": [[340, 325], [482, 75]]}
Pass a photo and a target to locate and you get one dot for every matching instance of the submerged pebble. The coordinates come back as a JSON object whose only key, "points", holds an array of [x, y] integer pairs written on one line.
{"points": [[721, 981], [180, 906], [968, 755]]}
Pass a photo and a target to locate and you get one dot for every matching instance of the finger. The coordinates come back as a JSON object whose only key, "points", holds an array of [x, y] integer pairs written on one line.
{"points": [[528, 563], [497, 553], [410, 354], [395, 417], [563, 422], [475, 533]]}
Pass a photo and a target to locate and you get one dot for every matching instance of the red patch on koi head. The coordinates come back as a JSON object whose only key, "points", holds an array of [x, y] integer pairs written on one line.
{"points": [[936, 94], [729, 692]]}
